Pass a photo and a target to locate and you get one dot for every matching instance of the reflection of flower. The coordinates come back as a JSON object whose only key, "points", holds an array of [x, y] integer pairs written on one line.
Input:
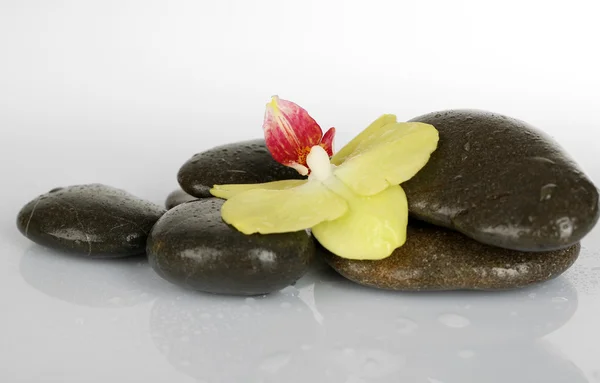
{"points": [[352, 202]]}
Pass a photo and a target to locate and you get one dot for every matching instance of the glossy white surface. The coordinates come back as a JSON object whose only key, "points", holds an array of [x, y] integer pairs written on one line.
{"points": [[123, 92]]}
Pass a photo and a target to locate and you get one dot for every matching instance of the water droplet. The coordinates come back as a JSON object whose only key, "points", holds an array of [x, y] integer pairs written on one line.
{"points": [[405, 326], [559, 299], [115, 300], [454, 320], [370, 366], [466, 354], [285, 305], [565, 227], [275, 362], [546, 192]]}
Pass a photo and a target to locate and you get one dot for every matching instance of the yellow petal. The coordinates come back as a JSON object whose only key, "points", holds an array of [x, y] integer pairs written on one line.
{"points": [[371, 229], [230, 190], [280, 211], [386, 153], [363, 136]]}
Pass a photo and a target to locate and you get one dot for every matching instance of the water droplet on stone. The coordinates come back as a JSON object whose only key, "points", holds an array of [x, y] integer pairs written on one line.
{"points": [[565, 227], [546, 192]]}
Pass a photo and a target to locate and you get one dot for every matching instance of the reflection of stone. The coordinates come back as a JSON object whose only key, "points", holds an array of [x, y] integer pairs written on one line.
{"points": [[234, 339], [471, 318], [380, 336], [90, 282], [519, 362]]}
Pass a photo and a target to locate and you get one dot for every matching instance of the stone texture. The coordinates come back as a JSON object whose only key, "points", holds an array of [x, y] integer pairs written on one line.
{"points": [[502, 182], [92, 220], [177, 197], [434, 258], [191, 246], [245, 162]]}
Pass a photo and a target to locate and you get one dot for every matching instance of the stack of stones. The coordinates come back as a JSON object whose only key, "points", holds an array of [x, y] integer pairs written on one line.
{"points": [[498, 206]]}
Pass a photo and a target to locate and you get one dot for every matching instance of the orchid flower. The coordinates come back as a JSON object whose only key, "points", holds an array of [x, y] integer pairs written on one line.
{"points": [[352, 200]]}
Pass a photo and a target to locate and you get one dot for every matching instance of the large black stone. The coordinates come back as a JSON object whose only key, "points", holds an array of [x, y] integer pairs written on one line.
{"points": [[245, 162], [92, 220], [435, 258], [502, 182], [177, 197], [191, 246]]}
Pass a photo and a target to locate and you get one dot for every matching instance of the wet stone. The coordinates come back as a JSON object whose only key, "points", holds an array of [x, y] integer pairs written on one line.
{"points": [[95, 220], [177, 197], [435, 258], [191, 246], [500, 181], [245, 162]]}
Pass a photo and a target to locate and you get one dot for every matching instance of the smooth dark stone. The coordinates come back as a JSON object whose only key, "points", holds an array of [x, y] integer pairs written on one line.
{"points": [[245, 162], [502, 182], [96, 221], [177, 197], [191, 246], [434, 258]]}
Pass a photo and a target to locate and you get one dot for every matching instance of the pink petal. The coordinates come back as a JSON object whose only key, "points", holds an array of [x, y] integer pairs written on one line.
{"points": [[328, 141], [290, 132]]}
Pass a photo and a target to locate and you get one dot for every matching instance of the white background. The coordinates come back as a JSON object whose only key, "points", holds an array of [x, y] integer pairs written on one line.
{"points": [[124, 92]]}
